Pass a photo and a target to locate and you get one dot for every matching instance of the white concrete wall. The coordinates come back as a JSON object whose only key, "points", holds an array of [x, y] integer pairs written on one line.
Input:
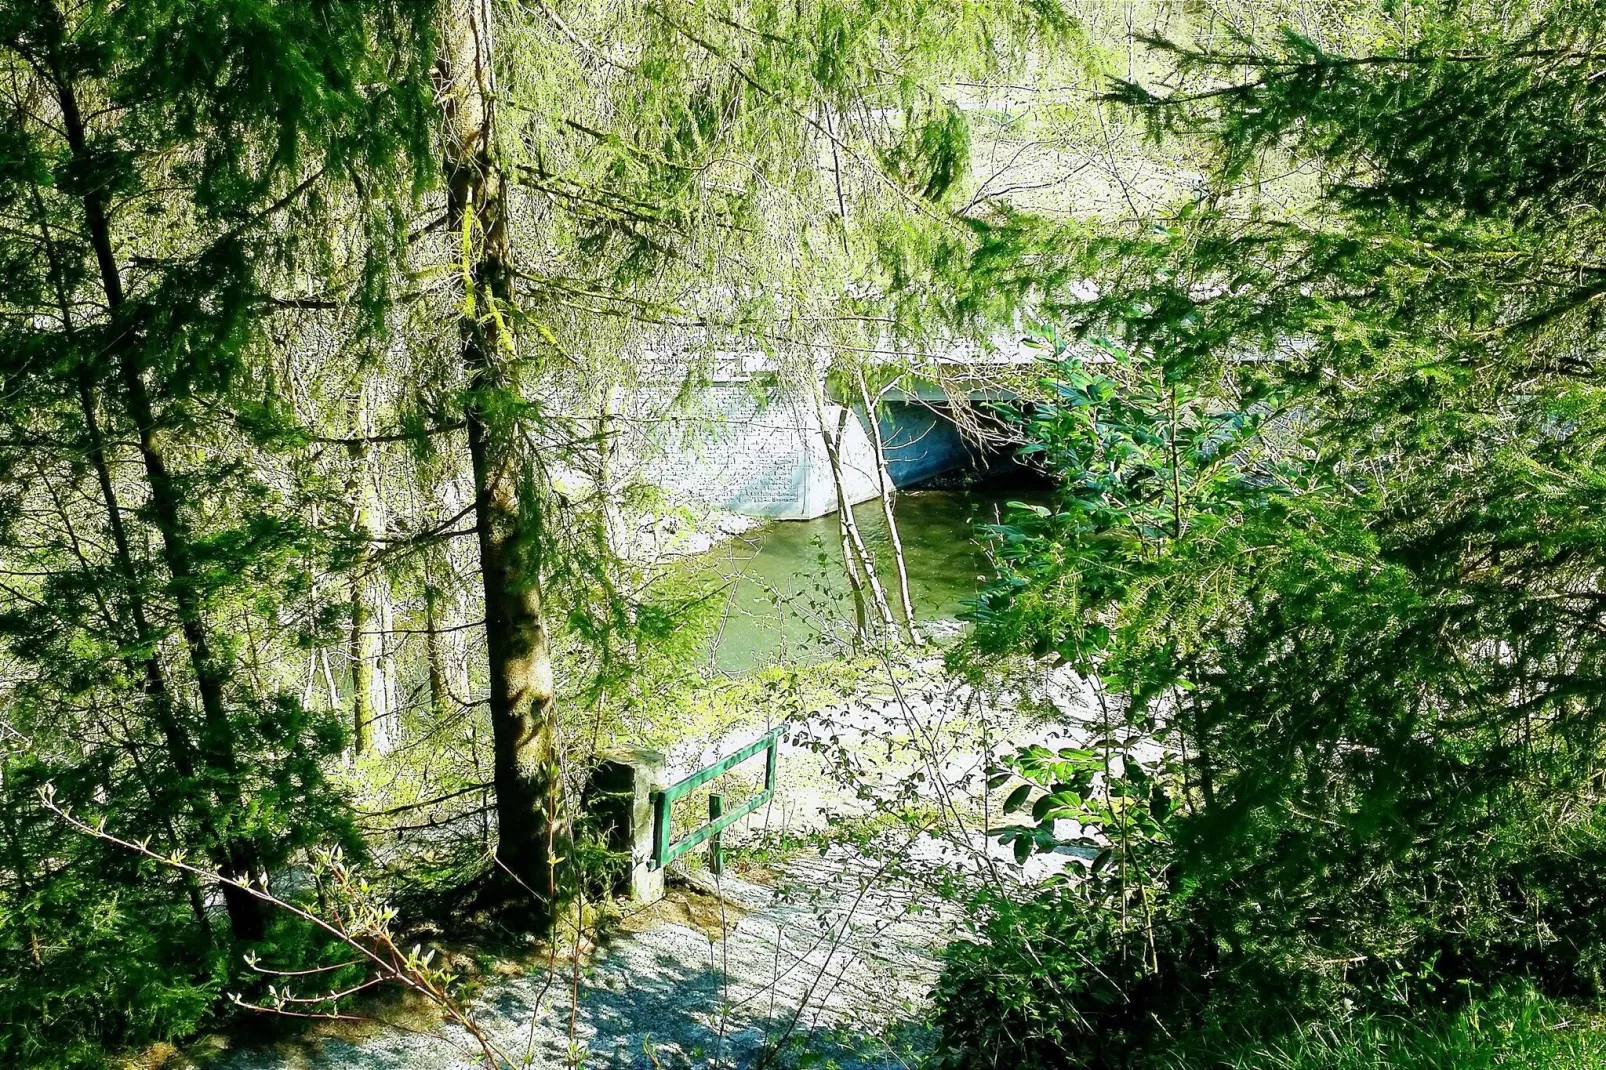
{"points": [[738, 451]]}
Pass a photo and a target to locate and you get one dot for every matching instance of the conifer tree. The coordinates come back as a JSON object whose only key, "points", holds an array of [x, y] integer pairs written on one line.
{"points": [[163, 163], [507, 520], [1330, 517]]}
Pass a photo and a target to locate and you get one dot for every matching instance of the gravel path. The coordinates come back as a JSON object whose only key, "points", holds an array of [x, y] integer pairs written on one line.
{"points": [[832, 959]]}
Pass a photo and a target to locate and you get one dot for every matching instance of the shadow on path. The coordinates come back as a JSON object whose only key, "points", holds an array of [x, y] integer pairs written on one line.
{"points": [[788, 985]]}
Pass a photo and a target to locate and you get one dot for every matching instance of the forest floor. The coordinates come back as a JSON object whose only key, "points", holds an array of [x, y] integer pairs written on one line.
{"points": [[823, 954]]}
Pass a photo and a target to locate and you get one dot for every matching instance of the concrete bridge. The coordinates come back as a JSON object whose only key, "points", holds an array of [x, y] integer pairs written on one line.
{"points": [[745, 445]]}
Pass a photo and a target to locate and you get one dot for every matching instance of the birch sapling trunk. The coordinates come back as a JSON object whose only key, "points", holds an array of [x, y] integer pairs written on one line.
{"points": [[884, 485], [844, 506], [861, 612]]}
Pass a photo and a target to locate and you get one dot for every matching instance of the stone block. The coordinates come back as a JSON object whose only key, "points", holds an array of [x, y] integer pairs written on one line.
{"points": [[618, 799]]}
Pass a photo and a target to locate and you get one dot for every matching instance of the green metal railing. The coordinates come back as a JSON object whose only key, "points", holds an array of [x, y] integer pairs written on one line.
{"points": [[664, 852]]}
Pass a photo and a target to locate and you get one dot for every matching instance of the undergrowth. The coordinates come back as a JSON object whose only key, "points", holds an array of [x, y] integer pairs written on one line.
{"points": [[1512, 1028]]}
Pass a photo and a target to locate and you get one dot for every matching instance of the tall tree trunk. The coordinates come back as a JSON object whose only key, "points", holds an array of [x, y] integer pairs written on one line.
{"points": [[363, 637], [520, 667], [884, 484], [615, 532], [613, 537], [160, 785], [159, 698], [331, 689], [434, 649], [385, 669], [369, 706], [239, 857]]}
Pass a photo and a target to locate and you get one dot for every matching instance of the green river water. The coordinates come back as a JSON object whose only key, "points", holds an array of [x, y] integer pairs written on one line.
{"points": [[783, 597]]}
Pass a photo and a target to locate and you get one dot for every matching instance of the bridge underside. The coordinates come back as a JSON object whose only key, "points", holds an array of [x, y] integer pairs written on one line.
{"points": [[920, 442], [744, 451]]}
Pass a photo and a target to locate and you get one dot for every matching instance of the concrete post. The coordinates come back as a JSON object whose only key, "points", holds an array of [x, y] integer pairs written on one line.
{"points": [[619, 799]]}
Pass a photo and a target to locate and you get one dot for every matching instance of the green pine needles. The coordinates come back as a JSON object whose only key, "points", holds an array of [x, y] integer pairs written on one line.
{"points": [[163, 163], [1335, 523]]}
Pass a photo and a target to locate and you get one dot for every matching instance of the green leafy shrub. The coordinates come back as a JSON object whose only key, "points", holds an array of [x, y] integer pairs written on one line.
{"points": [[1051, 985], [1060, 980], [1330, 513], [1378, 670]]}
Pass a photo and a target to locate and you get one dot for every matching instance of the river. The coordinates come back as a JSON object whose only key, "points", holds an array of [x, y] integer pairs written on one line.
{"points": [[781, 590]]}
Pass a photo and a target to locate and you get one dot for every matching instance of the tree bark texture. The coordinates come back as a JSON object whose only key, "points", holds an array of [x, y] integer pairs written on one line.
{"points": [[506, 511]]}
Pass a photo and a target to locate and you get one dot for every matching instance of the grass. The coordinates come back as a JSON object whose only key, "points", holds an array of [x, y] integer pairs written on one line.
{"points": [[1515, 1028]]}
